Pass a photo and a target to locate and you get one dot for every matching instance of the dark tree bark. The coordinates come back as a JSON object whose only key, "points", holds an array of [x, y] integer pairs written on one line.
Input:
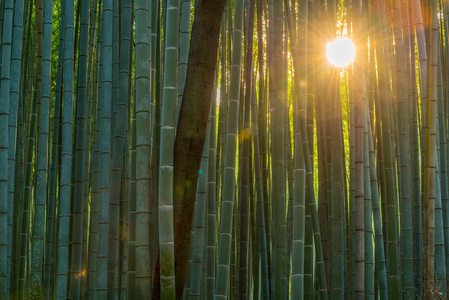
{"points": [[191, 131]]}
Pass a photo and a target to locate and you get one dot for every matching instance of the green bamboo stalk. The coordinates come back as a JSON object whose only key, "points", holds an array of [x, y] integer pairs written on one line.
{"points": [[440, 270], [13, 207], [65, 187], [346, 173], [263, 140], [260, 200], [30, 75], [27, 201], [351, 212], [155, 23], [288, 157], [416, 195], [105, 99], [257, 292], [235, 281], [204, 266], [337, 200], [221, 149], [310, 200], [4, 118], [114, 203], [324, 120], [168, 121], [122, 267], [42, 160], [298, 203], [290, 187], [269, 207], [308, 253], [440, 267], [2, 8], [128, 173], [378, 239], [277, 101], [422, 59], [404, 155], [199, 223], [211, 206], [49, 266], [76, 269], [444, 174], [429, 162], [156, 145], [228, 187], [118, 143], [359, 113], [298, 217], [184, 39], [323, 192], [131, 274], [143, 146], [350, 206], [243, 201], [389, 174], [115, 59], [38, 26], [234, 255], [95, 203], [368, 213], [20, 170], [87, 151]]}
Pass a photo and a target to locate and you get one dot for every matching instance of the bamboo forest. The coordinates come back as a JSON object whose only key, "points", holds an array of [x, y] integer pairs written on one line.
{"points": [[224, 149]]}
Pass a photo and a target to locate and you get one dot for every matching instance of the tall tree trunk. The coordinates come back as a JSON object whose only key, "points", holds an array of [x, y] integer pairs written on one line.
{"points": [[191, 128]]}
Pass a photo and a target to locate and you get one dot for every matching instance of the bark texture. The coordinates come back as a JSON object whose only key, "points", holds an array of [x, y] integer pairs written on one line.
{"points": [[191, 130]]}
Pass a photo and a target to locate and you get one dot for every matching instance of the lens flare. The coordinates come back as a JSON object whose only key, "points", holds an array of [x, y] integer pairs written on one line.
{"points": [[340, 52]]}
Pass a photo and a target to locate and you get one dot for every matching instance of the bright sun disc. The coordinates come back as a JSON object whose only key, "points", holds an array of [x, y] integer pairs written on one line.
{"points": [[340, 52]]}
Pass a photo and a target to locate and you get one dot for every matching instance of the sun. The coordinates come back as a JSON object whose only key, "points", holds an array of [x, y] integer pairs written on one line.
{"points": [[340, 52]]}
